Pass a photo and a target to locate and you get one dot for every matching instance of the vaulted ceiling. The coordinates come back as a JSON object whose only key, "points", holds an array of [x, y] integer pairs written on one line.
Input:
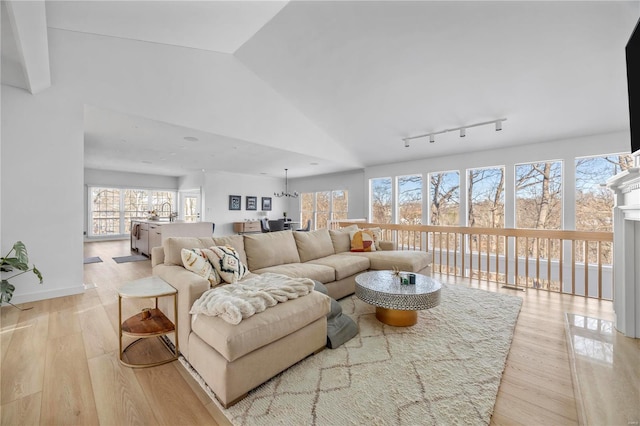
{"points": [[365, 73]]}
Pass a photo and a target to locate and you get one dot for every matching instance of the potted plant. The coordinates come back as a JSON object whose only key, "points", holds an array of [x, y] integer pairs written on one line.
{"points": [[19, 261]]}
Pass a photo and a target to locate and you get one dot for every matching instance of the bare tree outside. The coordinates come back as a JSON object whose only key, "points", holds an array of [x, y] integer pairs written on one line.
{"points": [[486, 197], [323, 203], [410, 200], [307, 208], [339, 205], [444, 192], [539, 195], [381, 202]]}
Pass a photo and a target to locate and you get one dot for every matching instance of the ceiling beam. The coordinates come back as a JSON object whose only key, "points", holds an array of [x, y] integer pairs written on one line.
{"points": [[29, 25]]}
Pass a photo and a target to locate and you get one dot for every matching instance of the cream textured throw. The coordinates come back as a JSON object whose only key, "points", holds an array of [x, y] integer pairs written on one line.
{"points": [[234, 302]]}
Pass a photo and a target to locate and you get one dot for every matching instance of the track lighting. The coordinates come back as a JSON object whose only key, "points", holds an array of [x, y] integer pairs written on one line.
{"points": [[462, 130]]}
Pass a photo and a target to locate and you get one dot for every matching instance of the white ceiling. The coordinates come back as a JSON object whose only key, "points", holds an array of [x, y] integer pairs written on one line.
{"points": [[369, 73]]}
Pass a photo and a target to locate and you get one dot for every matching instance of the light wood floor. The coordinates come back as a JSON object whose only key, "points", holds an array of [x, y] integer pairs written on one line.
{"points": [[60, 359]]}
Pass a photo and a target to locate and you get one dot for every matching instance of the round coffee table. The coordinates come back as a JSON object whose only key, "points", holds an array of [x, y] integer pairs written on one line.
{"points": [[397, 304]]}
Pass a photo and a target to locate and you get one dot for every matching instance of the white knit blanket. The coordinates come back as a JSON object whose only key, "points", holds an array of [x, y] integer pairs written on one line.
{"points": [[234, 302]]}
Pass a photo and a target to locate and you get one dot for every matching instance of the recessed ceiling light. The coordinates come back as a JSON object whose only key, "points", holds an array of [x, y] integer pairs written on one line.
{"points": [[262, 173], [147, 162], [314, 164], [172, 153], [191, 138]]}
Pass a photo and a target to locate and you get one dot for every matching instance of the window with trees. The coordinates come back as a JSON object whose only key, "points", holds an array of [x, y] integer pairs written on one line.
{"points": [[323, 206], [485, 192], [111, 210], [410, 200], [381, 200], [539, 195], [323, 210], [594, 202], [444, 192]]}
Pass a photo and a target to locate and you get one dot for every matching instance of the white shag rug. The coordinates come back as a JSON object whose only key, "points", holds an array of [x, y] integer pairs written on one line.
{"points": [[444, 370]]}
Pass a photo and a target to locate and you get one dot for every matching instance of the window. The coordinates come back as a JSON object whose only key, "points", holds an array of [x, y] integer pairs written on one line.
{"points": [[381, 207], [307, 208], [111, 210], [323, 211], [444, 191], [410, 200], [594, 203], [486, 197], [105, 211], [321, 207], [539, 195], [339, 205]]}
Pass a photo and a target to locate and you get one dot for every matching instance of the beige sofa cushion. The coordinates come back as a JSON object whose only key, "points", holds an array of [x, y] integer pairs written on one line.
{"points": [[405, 260], [344, 266], [270, 249], [340, 238], [173, 247], [234, 341], [235, 241], [322, 273], [313, 245]]}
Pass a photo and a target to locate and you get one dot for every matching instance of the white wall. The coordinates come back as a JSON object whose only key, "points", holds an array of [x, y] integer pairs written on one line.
{"points": [[42, 188], [219, 185]]}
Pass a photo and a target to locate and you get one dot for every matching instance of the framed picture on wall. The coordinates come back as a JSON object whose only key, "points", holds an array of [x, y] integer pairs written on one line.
{"points": [[266, 203], [235, 202], [252, 203]]}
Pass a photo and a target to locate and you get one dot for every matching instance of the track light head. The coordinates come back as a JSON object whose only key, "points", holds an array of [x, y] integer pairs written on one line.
{"points": [[463, 132], [498, 125], [406, 143], [432, 138]]}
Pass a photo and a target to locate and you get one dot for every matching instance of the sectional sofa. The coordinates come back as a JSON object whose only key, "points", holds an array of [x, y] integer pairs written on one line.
{"points": [[233, 359]]}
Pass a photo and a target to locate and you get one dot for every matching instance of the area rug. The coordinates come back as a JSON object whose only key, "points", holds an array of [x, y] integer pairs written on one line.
{"points": [[134, 258], [94, 259], [444, 370]]}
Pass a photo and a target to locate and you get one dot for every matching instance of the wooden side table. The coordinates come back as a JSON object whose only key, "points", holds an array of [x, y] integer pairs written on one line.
{"points": [[156, 324]]}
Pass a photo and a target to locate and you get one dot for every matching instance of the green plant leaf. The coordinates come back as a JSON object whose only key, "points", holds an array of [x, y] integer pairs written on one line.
{"points": [[21, 252], [38, 274], [6, 291], [14, 262]]}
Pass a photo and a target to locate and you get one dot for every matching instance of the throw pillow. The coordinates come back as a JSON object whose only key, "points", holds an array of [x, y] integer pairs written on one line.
{"points": [[362, 241], [377, 236], [226, 262], [196, 261]]}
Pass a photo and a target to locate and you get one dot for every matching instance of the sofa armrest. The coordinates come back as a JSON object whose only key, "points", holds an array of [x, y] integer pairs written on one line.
{"points": [[157, 256], [190, 286], [387, 245]]}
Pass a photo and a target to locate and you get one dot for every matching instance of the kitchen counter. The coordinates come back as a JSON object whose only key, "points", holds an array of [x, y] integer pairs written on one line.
{"points": [[147, 234]]}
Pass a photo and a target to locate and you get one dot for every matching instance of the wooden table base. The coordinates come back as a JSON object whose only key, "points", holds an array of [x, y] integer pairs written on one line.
{"points": [[396, 317]]}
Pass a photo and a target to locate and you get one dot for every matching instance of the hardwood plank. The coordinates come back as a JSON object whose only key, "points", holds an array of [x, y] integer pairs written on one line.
{"points": [[98, 334], [167, 391], [67, 396], [119, 397], [22, 411], [24, 365]]}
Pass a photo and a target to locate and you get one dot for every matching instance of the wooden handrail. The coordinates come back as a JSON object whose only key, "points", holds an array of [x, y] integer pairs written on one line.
{"points": [[537, 257]]}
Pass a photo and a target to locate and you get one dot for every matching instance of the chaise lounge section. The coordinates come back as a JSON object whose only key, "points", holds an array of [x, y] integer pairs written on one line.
{"points": [[233, 359]]}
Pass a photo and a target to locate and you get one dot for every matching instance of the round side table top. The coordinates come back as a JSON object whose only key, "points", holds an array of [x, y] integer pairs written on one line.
{"points": [[383, 289], [146, 287]]}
